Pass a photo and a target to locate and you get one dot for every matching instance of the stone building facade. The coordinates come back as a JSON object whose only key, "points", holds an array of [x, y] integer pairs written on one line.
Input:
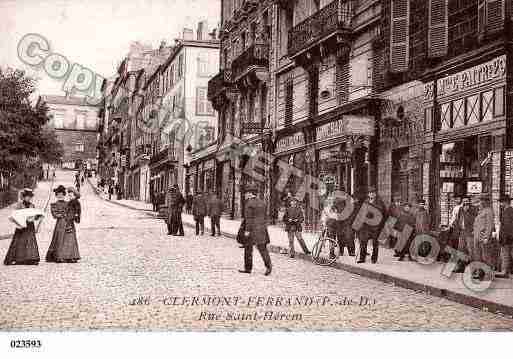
{"points": [[76, 124], [410, 96]]}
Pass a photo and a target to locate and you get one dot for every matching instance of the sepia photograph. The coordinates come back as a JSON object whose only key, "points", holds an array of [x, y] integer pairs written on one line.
{"points": [[272, 166]]}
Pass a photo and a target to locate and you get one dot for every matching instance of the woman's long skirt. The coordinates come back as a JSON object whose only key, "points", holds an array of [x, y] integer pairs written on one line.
{"points": [[23, 248], [64, 245]]}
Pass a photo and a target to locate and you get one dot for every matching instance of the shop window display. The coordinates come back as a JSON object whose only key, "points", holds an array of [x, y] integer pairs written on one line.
{"points": [[464, 170]]}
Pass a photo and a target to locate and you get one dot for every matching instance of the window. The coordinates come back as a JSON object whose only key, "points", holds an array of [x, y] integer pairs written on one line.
{"points": [[445, 116], [286, 22], [80, 120], [203, 106], [498, 105], [458, 113], [438, 28], [78, 147], [58, 120], [487, 106], [472, 110], [180, 67], [491, 15], [203, 70], [400, 36]]}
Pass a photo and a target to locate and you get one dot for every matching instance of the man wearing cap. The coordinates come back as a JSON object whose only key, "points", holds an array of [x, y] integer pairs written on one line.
{"points": [[506, 236], [293, 219], [367, 233], [255, 231]]}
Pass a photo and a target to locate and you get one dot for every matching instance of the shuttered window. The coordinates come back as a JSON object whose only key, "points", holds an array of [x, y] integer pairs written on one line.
{"points": [[399, 35], [438, 35], [491, 15], [289, 92]]}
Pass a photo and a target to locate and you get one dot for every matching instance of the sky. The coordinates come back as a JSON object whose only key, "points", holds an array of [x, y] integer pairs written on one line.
{"points": [[95, 33]]}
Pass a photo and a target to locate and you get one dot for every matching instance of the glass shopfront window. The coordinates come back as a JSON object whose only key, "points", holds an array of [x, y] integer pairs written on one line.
{"points": [[334, 170], [465, 169]]}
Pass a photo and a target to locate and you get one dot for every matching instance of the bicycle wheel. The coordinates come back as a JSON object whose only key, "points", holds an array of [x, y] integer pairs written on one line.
{"points": [[325, 251]]}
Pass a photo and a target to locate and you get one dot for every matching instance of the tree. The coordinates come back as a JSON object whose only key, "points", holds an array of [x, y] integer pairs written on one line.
{"points": [[24, 138]]}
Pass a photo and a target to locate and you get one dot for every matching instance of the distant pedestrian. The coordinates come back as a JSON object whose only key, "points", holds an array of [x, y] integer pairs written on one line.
{"points": [[215, 210], [293, 220], [23, 249], [111, 192], [188, 203], [506, 236], [395, 211], [366, 233], [255, 231], [199, 211], [64, 245], [175, 202], [343, 226]]}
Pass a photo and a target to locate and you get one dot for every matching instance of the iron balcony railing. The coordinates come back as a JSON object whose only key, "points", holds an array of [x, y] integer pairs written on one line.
{"points": [[329, 20], [219, 83], [255, 55]]}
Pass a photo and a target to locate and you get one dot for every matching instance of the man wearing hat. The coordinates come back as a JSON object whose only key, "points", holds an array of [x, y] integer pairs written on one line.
{"points": [[175, 202], [483, 228], [255, 231], [506, 236], [199, 211], [367, 233]]}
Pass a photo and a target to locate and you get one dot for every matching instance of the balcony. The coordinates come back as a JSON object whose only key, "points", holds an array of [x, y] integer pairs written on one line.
{"points": [[219, 83], [254, 57], [331, 22]]}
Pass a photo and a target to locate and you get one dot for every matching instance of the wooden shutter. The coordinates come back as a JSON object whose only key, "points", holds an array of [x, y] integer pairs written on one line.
{"points": [[289, 98], [438, 34], [494, 15], [491, 15], [399, 36]]}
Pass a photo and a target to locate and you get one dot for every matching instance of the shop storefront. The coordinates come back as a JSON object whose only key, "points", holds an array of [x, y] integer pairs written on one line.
{"points": [[469, 135], [226, 185]]}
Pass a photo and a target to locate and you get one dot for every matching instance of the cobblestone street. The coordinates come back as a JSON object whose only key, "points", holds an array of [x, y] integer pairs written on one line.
{"points": [[126, 255]]}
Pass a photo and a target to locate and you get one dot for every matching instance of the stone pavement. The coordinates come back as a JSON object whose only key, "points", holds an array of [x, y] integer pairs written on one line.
{"points": [[41, 197], [132, 276], [411, 275]]}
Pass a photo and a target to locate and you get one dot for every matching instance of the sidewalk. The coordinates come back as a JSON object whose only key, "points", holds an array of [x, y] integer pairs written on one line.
{"points": [[411, 275], [41, 197]]}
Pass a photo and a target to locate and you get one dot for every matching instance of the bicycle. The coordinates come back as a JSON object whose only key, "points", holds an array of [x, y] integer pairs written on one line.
{"points": [[325, 251]]}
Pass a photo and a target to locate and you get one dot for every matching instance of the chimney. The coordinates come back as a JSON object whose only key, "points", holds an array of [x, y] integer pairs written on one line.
{"points": [[202, 30], [188, 34]]}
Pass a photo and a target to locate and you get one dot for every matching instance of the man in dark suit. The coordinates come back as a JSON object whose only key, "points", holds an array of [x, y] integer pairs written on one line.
{"points": [[366, 233], [199, 211], [215, 209], [255, 231], [506, 236], [175, 204]]}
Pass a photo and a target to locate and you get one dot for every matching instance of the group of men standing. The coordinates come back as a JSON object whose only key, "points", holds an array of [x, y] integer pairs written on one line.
{"points": [[473, 232], [340, 226], [202, 205]]}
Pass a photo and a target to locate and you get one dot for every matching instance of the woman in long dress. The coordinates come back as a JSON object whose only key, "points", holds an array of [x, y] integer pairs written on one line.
{"points": [[23, 249], [64, 246]]}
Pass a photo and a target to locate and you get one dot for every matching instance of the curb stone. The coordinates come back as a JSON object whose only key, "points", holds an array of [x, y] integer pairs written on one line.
{"points": [[475, 302]]}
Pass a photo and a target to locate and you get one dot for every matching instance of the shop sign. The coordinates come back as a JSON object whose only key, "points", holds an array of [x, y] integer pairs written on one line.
{"points": [[347, 125], [476, 76], [292, 141], [474, 187]]}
